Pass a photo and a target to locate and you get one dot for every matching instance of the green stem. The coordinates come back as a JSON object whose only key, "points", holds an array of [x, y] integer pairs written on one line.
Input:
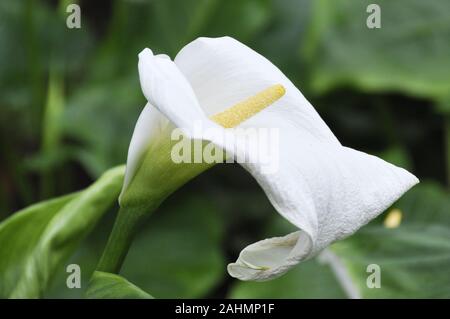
{"points": [[156, 178], [125, 227], [447, 146]]}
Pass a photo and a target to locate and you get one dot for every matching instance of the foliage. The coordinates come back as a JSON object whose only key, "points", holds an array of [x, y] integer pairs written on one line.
{"points": [[69, 99], [111, 286], [39, 238]]}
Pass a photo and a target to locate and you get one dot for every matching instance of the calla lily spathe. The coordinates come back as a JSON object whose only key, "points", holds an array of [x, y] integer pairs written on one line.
{"points": [[326, 190]]}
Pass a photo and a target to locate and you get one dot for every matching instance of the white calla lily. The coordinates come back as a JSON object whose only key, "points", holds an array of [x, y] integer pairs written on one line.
{"points": [[325, 189]]}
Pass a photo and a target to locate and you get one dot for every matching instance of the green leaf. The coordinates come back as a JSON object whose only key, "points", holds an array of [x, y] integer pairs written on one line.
{"points": [[310, 279], [87, 256], [104, 285], [414, 258], [51, 134], [178, 253], [52, 113], [249, 18], [37, 240], [16, 247], [409, 53]]}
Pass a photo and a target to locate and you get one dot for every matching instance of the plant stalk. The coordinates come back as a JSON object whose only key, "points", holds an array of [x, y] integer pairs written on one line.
{"points": [[341, 273], [125, 227], [447, 146]]}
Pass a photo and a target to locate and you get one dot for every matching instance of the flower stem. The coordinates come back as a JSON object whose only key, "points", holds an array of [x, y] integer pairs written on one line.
{"points": [[447, 146], [125, 227], [341, 273]]}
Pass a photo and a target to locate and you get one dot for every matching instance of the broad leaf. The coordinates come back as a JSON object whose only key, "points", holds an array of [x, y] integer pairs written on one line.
{"points": [[409, 53], [19, 235], [104, 285], [35, 241], [86, 256], [414, 258]]}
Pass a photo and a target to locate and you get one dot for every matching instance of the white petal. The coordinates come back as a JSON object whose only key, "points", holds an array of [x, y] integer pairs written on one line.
{"points": [[149, 124], [170, 97], [165, 87], [271, 257], [326, 190], [223, 72]]}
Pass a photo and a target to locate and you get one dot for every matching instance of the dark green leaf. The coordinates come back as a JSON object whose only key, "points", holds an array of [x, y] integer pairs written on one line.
{"points": [[104, 285], [414, 258], [409, 53], [38, 239]]}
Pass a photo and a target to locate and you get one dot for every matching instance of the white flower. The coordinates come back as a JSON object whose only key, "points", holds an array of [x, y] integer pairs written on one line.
{"points": [[326, 190]]}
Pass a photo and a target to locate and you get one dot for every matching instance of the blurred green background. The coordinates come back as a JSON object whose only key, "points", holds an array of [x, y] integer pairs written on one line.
{"points": [[69, 99]]}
